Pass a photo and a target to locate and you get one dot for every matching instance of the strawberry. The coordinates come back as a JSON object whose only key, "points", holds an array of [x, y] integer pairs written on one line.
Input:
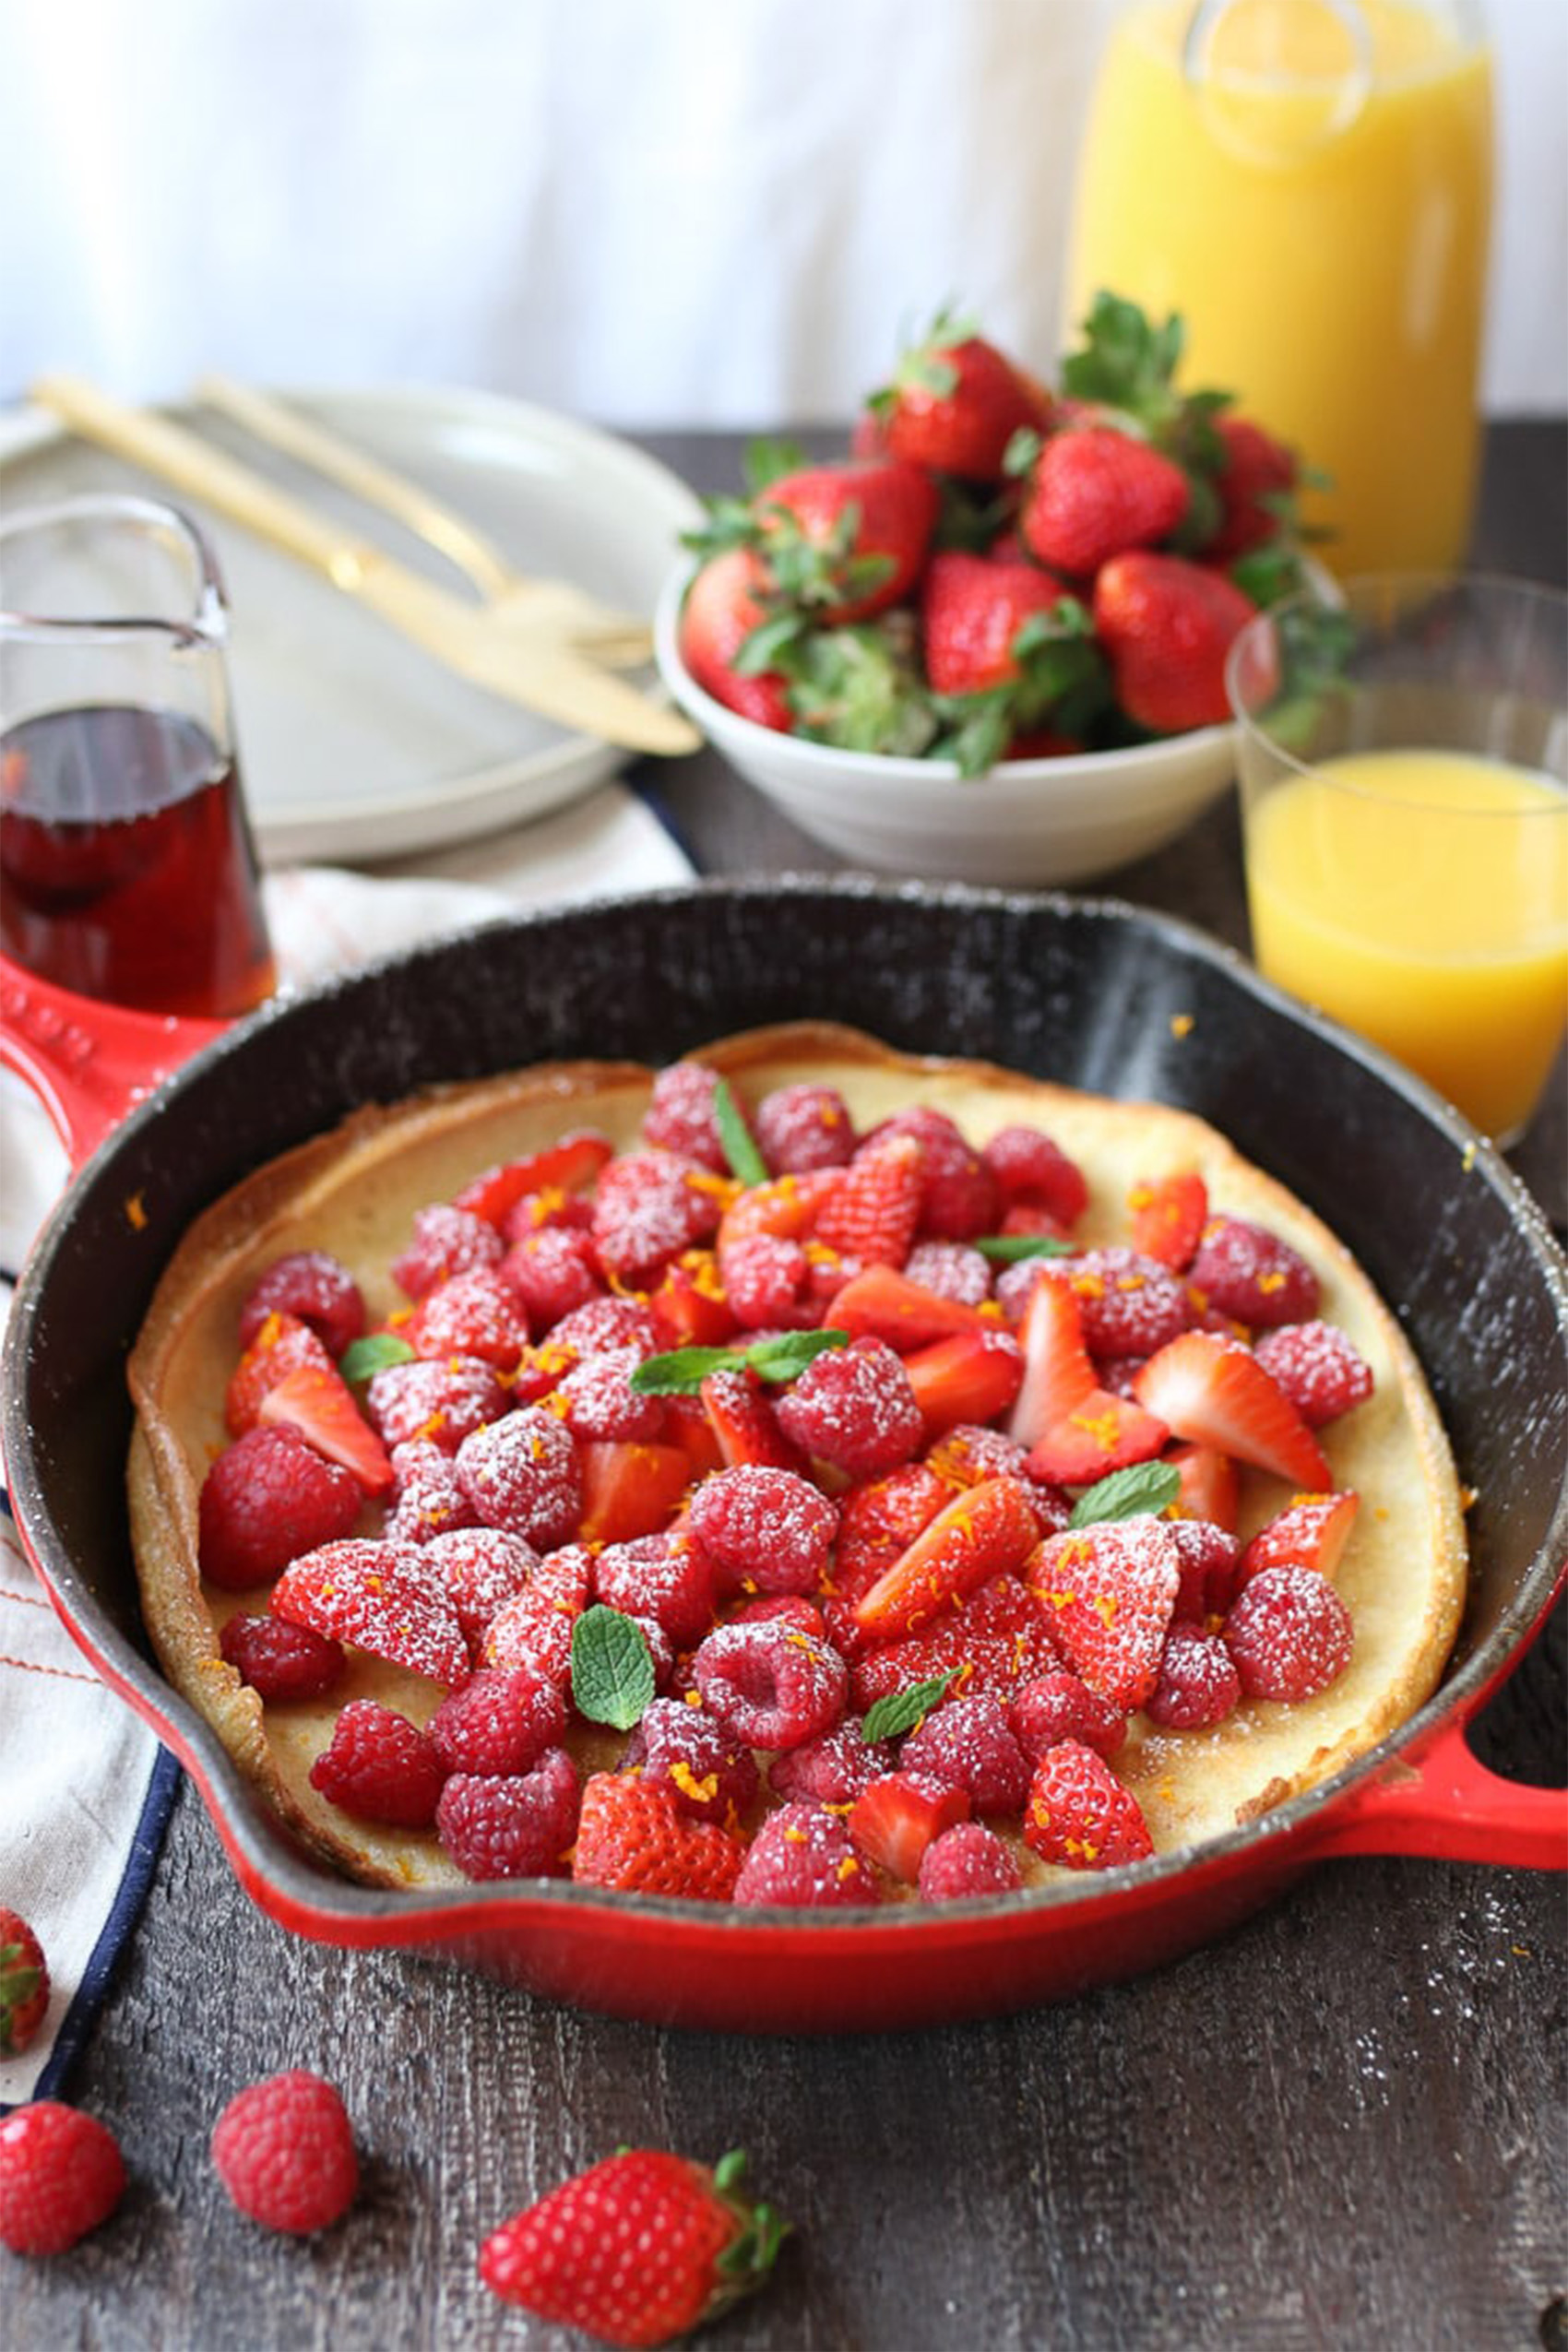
{"points": [[969, 1376], [741, 1413], [1210, 1486], [637, 2250], [846, 541], [1310, 1532], [874, 1209], [1166, 1215], [1166, 625], [282, 1342], [1094, 492], [985, 1531], [317, 1401], [1109, 1593], [1076, 1430], [954, 403], [569, 1166], [895, 1816], [722, 609], [1079, 1815], [24, 1983], [1257, 478], [382, 1599], [998, 1641], [689, 1304], [1212, 1391], [630, 1486], [882, 1303], [1007, 646], [632, 1835]]}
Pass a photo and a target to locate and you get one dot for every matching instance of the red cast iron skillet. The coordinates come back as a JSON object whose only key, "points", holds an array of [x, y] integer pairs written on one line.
{"points": [[1093, 993]]}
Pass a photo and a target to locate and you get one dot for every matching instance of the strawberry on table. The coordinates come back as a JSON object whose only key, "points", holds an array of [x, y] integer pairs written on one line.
{"points": [[1166, 625], [24, 1983], [638, 2249]]}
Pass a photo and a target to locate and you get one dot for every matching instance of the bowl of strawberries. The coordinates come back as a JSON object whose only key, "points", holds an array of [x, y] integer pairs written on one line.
{"points": [[987, 643]]}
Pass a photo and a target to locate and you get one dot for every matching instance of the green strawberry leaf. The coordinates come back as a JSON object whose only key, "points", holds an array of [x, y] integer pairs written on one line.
{"points": [[373, 1353], [612, 1676], [1008, 1249], [1127, 1494], [740, 1146], [899, 1711]]}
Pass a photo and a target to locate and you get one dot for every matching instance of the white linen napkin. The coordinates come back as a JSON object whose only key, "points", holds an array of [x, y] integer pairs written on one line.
{"points": [[88, 1786]]}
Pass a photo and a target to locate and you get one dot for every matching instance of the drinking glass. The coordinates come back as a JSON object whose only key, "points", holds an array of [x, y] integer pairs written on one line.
{"points": [[1403, 759], [128, 870]]}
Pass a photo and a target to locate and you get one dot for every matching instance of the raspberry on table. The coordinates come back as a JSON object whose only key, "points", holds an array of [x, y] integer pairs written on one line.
{"points": [[284, 2150], [1288, 1634], [805, 1856], [313, 1284], [446, 1241], [770, 1684], [966, 1860], [514, 1825], [281, 1662], [804, 1126], [523, 1473], [1198, 1682], [499, 1724], [855, 1409], [380, 1767], [266, 1499], [1320, 1368], [763, 1529], [60, 2174], [712, 1774], [968, 1743], [1252, 1276], [438, 1402]]}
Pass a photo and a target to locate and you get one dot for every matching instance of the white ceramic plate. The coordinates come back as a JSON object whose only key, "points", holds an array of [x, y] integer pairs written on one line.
{"points": [[353, 742]]}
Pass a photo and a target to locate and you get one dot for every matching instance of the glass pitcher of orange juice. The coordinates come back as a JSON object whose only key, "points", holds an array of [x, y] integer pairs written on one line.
{"points": [[1308, 184]]}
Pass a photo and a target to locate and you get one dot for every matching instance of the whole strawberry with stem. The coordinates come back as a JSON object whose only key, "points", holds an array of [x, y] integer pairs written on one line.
{"points": [[954, 403], [24, 1983], [637, 2250]]}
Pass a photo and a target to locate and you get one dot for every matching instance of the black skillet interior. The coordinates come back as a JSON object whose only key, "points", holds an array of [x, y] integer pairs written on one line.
{"points": [[1095, 995]]}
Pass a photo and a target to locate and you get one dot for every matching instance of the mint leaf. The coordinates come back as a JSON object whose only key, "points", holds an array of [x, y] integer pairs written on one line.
{"points": [[612, 1677], [787, 1354], [362, 1358], [740, 1146], [899, 1711], [1125, 1494], [1008, 1249], [681, 1371]]}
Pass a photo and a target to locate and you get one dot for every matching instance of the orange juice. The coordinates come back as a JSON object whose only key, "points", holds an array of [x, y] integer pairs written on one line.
{"points": [[1421, 897], [1318, 214]]}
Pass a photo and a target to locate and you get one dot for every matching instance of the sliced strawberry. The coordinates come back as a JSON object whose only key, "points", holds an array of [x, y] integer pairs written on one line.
{"points": [[1109, 1593], [875, 1210], [744, 1423], [987, 1530], [631, 1486], [882, 1303], [392, 1603], [1058, 1375], [686, 1424], [1212, 1391], [1166, 1215], [1079, 1815], [1210, 1485], [1105, 1432], [998, 1641], [689, 1304], [972, 1376], [1310, 1532], [895, 1816], [877, 1523], [281, 1343], [632, 1835], [318, 1402], [569, 1166]]}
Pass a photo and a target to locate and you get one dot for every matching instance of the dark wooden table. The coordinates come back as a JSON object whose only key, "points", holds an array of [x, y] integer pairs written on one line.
{"points": [[1341, 2126]]}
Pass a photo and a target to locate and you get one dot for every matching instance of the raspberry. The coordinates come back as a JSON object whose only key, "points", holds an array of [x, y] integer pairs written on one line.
{"points": [[960, 1196], [608, 1322], [952, 1270], [782, 1609], [380, 1767], [61, 2174], [1289, 1634], [971, 1451], [282, 1661], [1031, 1170], [681, 1117], [770, 1684], [1244, 1271], [499, 1724], [1211, 1561], [426, 1499], [662, 1576], [482, 1568], [967, 1859], [316, 1287], [1054, 1707], [764, 1530], [284, 2150], [803, 1857], [803, 1127], [549, 1209], [711, 1774], [831, 1769], [1129, 1305], [853, 1408], [767, 1282], [266, 1499], [649, 1207], [445, 1242], [967, 1744], [1320, 1370], [441, 1402], [550, 1273], [514, 1826], [598, 1401], [1198, 1683], [476, 1313], [522, 1473]]}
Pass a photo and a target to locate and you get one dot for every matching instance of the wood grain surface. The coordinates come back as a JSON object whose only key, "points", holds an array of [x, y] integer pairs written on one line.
{"points": [[1342, 2125]]}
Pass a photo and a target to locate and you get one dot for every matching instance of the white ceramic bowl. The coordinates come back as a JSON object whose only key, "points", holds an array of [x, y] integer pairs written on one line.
{"points": [[1025, 822]]}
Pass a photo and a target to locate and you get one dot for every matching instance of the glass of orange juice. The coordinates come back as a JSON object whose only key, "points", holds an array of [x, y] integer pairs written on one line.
{"points": [[1402, 748], [1308, 184]]}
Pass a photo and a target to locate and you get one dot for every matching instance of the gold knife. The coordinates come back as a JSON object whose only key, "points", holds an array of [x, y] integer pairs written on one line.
{"points": [[549, 677]]}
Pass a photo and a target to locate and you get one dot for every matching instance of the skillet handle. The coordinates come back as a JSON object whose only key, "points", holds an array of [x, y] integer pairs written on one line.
{"points": [[1451, 1807], [86, 1062]]}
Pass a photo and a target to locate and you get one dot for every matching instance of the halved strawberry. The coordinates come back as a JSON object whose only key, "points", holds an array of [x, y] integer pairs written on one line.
{"points": [[875, 1210], [1310, 1532], [569, 1166], [1109, 1593], [391, 1602], [1105, 1432], [1211, 1488], [630, 1488], [689, 1304], [998, 1641], [985, 1531], [895, 1816], [744, 1423], [632, 1835], [1166, 1215], [1077, 1432], [882, 1303], [971, 1376], [1212, 1391], [318, 1402], [1079, 1815]]}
